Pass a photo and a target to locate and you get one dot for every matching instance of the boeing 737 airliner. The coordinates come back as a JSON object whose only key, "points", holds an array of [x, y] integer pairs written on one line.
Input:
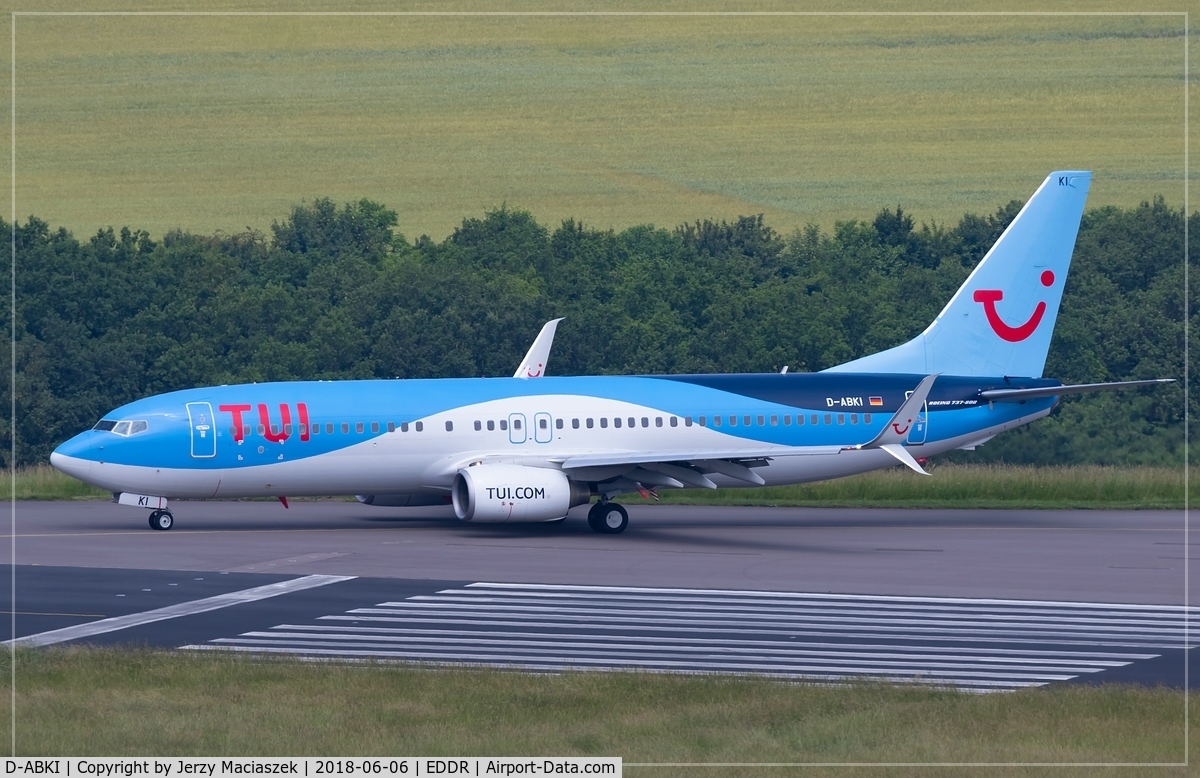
{"points": [[531, 447]]}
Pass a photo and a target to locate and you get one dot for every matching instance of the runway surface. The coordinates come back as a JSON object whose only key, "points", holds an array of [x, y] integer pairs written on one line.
{"points": [[983, 600], [973, 644]]}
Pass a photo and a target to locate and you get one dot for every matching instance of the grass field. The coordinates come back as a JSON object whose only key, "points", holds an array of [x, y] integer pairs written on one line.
{"points": [[219, 123], [969, 486], [949, 486], [138, 702], [45, 483]]}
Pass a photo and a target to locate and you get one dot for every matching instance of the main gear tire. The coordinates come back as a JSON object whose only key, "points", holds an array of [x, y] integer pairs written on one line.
{"points": [[608, 518]]}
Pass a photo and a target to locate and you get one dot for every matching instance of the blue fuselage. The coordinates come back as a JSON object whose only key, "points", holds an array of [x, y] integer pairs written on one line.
{"points": [[411, 436]]}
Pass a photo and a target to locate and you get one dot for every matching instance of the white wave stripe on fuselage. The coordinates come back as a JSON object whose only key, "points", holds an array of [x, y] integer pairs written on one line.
{"points": [[426, 461]]}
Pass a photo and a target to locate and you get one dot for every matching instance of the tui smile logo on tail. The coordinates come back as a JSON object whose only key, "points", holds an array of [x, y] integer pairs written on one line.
{"points": [[989, 297]]}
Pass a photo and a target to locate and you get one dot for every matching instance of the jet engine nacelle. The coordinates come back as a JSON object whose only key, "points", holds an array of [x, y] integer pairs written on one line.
{"points": [[497, 493]]}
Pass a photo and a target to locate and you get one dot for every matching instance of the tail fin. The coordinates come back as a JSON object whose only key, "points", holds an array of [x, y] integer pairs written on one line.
{"points": [[1001, 319]]}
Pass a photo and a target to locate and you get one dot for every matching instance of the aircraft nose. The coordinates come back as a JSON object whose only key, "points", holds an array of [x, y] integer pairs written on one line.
{"points": [[68, 459]]}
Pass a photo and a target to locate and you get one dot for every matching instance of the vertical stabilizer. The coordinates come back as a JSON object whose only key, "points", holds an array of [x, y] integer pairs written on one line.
{"points": [[1001, 319]]}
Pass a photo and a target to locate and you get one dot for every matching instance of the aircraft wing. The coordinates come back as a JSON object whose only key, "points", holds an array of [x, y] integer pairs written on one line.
{"points": [[629, 471], [534, 364], [642, 457]]}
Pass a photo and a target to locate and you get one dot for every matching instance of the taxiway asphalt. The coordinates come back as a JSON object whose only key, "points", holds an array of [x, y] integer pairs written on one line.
{"points": [[1090, 556]]}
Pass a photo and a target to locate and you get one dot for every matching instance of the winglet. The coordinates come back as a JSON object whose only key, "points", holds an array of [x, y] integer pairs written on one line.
{"points": [[534, 364], [892, 438]]}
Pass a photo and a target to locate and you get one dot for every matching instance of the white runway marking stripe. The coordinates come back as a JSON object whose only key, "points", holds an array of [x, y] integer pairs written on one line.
{"points": [[851, 615], [175, 611], [980, 645], [552, 664], [581, 650], [974, 637], [915, 626], [442, 634], [888, 611], [816, 596]]}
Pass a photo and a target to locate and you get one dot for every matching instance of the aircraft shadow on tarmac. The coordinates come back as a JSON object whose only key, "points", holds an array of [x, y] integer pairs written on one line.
{"points": [[677, 533], [573, 524]]}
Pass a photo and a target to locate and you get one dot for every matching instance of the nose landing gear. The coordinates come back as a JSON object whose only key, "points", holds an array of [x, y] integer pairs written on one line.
{"points": [[608, 518], [161, 520]]}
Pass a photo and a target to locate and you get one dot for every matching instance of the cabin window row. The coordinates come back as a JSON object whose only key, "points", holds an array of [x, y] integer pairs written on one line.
{"points": [[673, 421], [813, 419], [331, 428], [618, 422]]}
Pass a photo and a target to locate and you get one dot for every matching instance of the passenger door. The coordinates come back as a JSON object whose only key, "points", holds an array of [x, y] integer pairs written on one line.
{"points": [[203, 430]]}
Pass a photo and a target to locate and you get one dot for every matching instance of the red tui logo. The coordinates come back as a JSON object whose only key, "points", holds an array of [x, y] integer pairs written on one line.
{"points": [[280, 432], [989, 298]]}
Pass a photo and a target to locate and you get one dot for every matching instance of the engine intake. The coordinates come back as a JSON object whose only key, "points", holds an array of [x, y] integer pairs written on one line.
{"points": [[499, 493]]}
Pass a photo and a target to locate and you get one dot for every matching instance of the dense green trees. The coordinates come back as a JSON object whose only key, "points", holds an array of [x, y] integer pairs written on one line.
{"points": [[337, 292]]}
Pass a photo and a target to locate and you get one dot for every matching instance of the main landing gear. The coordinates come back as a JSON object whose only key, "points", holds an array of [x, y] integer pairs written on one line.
{"points": [[161, 520], [608, 518]]}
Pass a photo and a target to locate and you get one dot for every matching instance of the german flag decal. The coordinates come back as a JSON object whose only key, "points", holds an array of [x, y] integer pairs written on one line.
{"points": [[876, 401]]}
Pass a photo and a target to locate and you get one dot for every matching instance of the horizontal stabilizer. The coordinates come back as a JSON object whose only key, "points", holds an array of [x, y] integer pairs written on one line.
{"points": [[1020, 395]]}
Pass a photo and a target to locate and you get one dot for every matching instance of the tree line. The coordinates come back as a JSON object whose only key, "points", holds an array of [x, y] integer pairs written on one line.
{"points": [[338, 292]]}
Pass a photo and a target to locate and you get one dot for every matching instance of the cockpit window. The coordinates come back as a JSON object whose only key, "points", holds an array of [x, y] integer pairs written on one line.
{"points": [[125, 428]]}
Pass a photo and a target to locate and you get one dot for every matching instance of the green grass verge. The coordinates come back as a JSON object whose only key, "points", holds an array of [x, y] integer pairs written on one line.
{"points": [[968, 486], [139, 702], [43, 482], [949, 486]]}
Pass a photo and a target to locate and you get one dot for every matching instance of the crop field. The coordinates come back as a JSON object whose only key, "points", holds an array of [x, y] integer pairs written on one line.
{"points": [[213, 122]]}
